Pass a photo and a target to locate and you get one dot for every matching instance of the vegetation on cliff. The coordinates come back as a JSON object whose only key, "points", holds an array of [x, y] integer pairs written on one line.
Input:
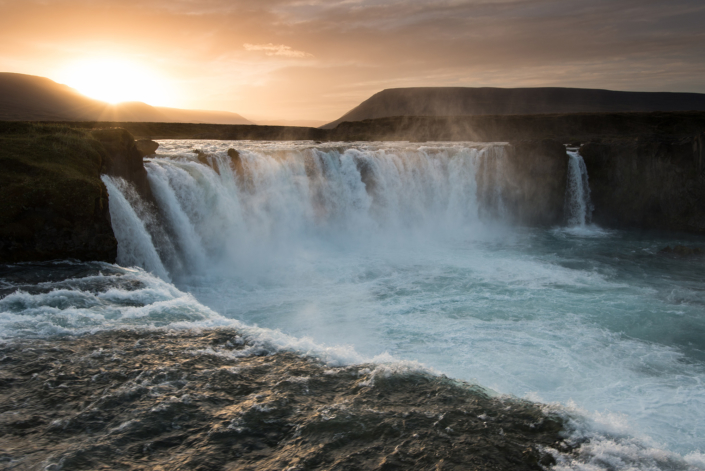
{"points": [[53, 204]]}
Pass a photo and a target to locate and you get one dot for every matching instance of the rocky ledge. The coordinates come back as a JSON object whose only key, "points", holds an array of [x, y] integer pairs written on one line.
{"points": [[209, 400]]}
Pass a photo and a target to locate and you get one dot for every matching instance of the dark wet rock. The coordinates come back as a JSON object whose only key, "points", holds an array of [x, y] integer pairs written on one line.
{"points": [[209, 400], [236, 162], [652, 182], [202, 157], [124, 160], [682, 251], [146, 147]]}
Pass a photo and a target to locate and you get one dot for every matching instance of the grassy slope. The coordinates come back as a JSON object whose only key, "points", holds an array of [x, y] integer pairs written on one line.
{"points": [[49, 180]]}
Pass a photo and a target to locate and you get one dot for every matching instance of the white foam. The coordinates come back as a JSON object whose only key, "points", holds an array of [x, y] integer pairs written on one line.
{"points": [[606, 442], [306, 254]]}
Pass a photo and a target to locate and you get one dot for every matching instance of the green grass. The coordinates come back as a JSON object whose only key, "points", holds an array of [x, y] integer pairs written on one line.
{"points": [[47, 170]]}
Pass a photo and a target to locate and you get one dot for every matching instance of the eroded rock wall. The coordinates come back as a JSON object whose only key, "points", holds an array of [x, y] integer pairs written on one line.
{"points": [[652, 182], [535, 185]]}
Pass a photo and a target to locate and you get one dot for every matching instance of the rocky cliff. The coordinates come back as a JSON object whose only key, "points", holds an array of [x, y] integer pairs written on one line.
{"points": [[535, 182], [123, 159], [53, 204], [651, 182]]}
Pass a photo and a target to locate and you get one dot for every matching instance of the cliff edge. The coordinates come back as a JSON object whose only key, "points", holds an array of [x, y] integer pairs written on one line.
{"points": [[651, 182], [53, 204]]}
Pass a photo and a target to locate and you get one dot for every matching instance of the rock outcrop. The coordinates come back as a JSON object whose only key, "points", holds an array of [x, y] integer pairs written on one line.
{"points": [[653, 182], [53, 204], [565, 128], [146, 147], [124, 160]]}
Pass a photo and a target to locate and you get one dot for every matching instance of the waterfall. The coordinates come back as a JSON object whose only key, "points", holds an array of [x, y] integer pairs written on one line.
{"points": [[232, 213], [135, 245], [578, 206]]}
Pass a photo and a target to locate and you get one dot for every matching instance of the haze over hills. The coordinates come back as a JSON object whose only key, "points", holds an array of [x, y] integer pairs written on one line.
{"points": [[459, 101], [32, 98]]}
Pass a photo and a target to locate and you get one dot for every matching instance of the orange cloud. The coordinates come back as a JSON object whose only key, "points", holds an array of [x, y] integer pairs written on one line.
{"points": [[315, 59], [276, 50]]}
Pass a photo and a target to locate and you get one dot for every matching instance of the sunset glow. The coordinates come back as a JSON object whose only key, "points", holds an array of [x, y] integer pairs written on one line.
{"points": [[313, 61], [116, 81]]}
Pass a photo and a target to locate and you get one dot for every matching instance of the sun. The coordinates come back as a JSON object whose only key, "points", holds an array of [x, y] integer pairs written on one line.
{"points": [[117, 81]]}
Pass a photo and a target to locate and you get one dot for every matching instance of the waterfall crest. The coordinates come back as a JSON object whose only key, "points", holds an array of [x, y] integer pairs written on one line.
{"points": [[218, 208]]}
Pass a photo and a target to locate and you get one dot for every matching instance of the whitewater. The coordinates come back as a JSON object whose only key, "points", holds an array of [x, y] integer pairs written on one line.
{"points": [[404, 254]]}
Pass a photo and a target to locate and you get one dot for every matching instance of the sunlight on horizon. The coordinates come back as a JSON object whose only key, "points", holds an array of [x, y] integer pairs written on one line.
{"points": [[117, 81]]}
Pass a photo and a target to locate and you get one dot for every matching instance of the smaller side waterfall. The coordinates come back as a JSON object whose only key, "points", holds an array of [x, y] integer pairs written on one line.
{"points": [[578, 206]]}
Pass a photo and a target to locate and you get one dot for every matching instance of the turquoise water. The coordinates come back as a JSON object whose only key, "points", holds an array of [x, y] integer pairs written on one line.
{"points": [[378, 252], [594, 319]]}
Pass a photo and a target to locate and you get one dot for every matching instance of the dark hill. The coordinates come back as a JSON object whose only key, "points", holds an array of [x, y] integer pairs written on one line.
{"points": [[458, 101], [32, 98]]}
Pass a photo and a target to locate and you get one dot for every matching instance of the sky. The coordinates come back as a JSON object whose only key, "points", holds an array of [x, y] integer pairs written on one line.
{"points": [[314, 60]]}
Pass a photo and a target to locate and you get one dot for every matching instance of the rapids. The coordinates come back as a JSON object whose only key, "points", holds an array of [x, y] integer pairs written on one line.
{"points": [[404, 252]]}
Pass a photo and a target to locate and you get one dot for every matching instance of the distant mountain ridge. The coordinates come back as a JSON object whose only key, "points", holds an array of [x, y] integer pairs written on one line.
{"points": [[461, 101], [32, 98]]}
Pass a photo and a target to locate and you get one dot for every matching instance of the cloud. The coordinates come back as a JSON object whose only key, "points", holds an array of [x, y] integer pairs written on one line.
{"points": [[257, 57], [276, 50]]}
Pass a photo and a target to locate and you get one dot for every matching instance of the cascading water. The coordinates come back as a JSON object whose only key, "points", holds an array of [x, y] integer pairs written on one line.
{"points": [[135, 247], [215, 215], [578, 206], [375, 252]]}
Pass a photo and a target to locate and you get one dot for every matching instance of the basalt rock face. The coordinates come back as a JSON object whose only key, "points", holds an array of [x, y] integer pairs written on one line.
{"points": [[535, 182], [652, 182], [211, 401], [124, 159], [146, 147], [524, 182], [53, 204]]}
